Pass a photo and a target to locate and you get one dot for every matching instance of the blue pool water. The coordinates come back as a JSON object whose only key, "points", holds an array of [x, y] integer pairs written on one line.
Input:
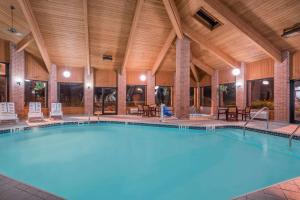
{"points": [[115, 161]]}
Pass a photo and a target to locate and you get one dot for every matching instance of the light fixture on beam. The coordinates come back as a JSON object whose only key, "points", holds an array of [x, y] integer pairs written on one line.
{"points": [[236, 72]]}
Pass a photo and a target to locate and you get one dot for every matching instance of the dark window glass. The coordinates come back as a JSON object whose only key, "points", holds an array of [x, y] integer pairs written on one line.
{"points": [[296, 105], [105, 100], [135, 95], [205, 96], [3, 83], [192, 96], [36, 91], [163, 95], [227, 95], [260, 93], [70, 94]]}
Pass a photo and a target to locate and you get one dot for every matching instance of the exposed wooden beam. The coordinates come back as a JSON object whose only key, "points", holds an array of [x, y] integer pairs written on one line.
{"points": [[24, 42], [194, 71], [163, 51], [37, 35], [132, 33], [86, 32], [203, 66], [196, 37], [245, 28], [174, 17]]}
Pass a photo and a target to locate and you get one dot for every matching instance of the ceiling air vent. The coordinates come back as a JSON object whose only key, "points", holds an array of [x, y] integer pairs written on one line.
{"points": [[292, 31], [207, 19], [107, 57]]}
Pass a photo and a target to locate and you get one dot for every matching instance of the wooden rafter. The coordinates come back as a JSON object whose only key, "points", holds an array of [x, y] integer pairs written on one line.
{"points": [[203, 66], [132, 33], [174, 17], [194, 71], [86, 31], [163, 51], [245, 28], [36, 33], [24, 42]]}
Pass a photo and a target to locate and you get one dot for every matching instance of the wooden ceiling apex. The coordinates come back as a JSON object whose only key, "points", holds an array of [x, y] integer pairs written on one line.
{"points": [[174, 17], [132, 33], [245, 28], [24, 42], [31, 20]]}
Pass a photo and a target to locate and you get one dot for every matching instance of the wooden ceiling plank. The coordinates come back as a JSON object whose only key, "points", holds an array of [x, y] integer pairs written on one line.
{"points": [[213, 49], [24, 42], [86, 32], [163, 51], [194, 71], [174, 17], [37, 35], [245, 28], [132, 33], [203, 66]]}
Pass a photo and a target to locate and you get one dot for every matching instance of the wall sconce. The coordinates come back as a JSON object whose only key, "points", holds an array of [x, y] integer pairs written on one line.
{"points": [[18, 81], [88, 86], [143, 77], [239, 84], [236, 72]]}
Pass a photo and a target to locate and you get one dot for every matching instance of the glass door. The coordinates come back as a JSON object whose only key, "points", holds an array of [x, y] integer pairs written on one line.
{"points": [[105, 100], [296, 102]]}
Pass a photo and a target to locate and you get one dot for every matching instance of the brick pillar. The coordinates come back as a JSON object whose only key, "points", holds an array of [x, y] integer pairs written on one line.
{"points": [[214, 93], [122, 93], [241, 90], [52, 86], [88, 91], [282, 88], [198, 96], [16, 77], [182, 78], [150, 88]]}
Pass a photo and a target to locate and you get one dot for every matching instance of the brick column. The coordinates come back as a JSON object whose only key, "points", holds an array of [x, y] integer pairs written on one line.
{"points": [[241, 88], [214, 93], [282, 88], [121, 93], [150, 88], [16, 77], [198, 96], [52, 86], [88, 91], [182, 78]]}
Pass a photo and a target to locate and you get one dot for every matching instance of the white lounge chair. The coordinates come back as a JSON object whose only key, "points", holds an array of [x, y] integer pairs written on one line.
{"points": [[35, 111], [7, 112], [56, 110]]}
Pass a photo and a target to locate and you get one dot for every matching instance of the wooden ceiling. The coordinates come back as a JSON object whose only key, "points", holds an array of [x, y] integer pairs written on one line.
{"points": [[109, 24]]}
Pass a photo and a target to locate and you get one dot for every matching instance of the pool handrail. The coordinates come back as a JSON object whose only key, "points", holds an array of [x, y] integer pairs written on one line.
{"points": [[258, 112], [292, 135]]}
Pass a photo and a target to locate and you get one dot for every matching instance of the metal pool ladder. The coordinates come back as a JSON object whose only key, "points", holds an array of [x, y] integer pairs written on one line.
{"points": [[292, 135], [258, 112]]}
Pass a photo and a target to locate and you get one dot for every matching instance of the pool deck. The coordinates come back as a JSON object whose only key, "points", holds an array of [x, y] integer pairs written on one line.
{"points": [[289, 190]]}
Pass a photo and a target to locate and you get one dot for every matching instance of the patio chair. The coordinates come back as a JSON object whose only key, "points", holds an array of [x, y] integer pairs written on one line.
{"points": [[7, 112], [146, 109], [232, 113], [35, 111], [222, 111], [245, 113], [140, 110], [56, 110]]}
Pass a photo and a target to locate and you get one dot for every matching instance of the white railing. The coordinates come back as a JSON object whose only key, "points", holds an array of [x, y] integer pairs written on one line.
{"points": [[292, 135], [257, 113]]}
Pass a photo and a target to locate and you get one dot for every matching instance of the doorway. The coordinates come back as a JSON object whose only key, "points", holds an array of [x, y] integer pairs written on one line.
{"points": [[105, 100]]}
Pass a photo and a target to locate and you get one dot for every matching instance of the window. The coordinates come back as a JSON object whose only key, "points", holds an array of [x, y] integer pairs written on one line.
{"points": [[3, 82], [36, 91], [163, 95], [227, 95], [205, 96], [135, 95], [260, 93], [207, 19], [192, 96], [70, 94]]}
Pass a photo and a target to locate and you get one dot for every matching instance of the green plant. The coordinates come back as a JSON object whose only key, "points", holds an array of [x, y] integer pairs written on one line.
{"points": [[262, 103], [222, 88], [39, 85]]}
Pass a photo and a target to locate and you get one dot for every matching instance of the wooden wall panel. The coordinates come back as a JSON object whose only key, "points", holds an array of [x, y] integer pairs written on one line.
{"points": [[133, 77], [260, 69], [296, 66], [164, 78], [35, 69], [77, 75], [4, 51], [206, 81], [225, 76], [105, 78]]}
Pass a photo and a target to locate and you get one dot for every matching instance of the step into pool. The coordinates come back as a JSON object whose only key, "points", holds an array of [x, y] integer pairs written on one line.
{"points": [[135, 162]]}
